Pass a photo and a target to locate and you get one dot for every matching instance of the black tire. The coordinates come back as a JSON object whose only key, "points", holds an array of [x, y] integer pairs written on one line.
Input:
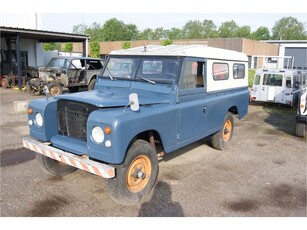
{"points": [[73, 89], [91, 86], [136, 176], [220, 139], [54, 167], [300, 130], [5, 83], [55, 89]]}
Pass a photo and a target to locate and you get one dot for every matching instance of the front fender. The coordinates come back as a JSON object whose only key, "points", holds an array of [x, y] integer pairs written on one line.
{"points": [[48, 108], [126, 125]]}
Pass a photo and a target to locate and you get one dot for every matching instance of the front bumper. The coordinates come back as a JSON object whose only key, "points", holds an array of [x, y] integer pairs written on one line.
{"points": [[80, 162]]}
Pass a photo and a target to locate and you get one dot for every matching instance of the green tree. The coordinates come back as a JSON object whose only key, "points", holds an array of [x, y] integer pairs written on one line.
{"points": [[95, 49], [262, 33], [288, 28], [146, 34], [68, 47], [159, 33], [209, 29], [79, 29], [174, 33], [243, 32], [228, 29], [51, 46], [193, 29], [131, 32], [95, 32], [113, 30]]}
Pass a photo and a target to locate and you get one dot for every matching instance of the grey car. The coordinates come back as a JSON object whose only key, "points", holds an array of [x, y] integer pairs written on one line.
{"points": [[69, 72]]}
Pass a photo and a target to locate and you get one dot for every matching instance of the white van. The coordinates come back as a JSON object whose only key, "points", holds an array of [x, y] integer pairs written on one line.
{"points": [[278, 86]]}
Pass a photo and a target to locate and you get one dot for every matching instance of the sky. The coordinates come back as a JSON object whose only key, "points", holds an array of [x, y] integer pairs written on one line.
{"points": [[62, 15], [54, 21]]}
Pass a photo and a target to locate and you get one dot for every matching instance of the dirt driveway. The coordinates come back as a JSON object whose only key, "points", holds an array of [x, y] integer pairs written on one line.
{"points": [[261, 173]]}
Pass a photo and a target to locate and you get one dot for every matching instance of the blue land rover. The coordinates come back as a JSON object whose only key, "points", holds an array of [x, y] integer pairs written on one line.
{"points": [[148, 101]]}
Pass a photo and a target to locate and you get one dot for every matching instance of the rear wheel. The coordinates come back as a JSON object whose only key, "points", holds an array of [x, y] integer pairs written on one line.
{"points": [[54, 167], [54, 89], [136, 176], [220, 139]]}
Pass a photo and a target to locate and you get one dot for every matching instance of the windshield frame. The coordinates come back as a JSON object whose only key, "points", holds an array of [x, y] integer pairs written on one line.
{"points": [[135, 72]]}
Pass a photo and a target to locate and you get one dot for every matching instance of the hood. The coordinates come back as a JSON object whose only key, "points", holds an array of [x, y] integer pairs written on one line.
{"points": [[114, 98]]}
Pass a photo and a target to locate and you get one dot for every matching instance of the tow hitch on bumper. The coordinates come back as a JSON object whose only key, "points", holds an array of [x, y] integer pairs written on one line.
{"points": [[85, 164]]}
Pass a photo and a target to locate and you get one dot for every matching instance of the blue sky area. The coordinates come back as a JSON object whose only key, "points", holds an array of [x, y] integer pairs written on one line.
{"points": [[64, 22]]}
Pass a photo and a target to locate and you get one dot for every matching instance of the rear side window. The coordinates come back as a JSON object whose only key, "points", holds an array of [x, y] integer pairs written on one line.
{"points": [[257, 80], [238, 71], [220, 71]]}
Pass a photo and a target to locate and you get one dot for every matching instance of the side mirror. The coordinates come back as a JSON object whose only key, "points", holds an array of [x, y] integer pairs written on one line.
{"points": [[134, 102]]}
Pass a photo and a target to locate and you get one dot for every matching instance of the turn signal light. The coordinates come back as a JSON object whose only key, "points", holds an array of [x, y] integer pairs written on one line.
{"points": [[107, 130], [30, 111]]}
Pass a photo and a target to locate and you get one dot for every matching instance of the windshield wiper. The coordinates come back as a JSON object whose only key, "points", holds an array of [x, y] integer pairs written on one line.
{"points": [[145, 79]]}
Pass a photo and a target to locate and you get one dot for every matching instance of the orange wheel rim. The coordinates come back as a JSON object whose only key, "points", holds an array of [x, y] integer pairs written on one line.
{"points": [[138, 173], [227, 130]]}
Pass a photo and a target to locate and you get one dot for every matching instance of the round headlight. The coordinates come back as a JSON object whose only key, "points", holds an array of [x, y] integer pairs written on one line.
{"points": [[98, 134], [39, 119]]}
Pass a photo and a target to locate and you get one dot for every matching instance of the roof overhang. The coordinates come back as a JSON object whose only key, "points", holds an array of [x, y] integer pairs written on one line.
{"points": [[41, 35]]}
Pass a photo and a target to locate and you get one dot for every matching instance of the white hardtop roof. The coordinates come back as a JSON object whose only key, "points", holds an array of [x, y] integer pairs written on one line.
{"points": [[183, 50], [286, 71]]}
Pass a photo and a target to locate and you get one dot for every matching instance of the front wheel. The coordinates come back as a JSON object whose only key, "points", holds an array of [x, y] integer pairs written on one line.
{"points": [[220, 139], [136, 176], [54, 167]]}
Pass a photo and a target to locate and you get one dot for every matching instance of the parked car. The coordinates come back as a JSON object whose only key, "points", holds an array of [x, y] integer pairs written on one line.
{"points": [[280, 86], [166, 98], [70, 72]]}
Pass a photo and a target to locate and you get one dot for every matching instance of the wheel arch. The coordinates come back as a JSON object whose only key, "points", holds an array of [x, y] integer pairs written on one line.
{"points": [[153, 137]]}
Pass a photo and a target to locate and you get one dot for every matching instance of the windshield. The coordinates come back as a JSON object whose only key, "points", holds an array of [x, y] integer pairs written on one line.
{"points": [[149, 69], [58, 63]]}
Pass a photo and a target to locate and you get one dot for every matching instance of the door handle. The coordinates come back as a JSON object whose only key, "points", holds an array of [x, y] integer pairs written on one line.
{"points": [[205, 110]]}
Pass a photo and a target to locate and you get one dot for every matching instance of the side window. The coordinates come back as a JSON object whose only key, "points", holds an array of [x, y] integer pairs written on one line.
{"points": [[193, 75], [288, 82], [257, 80], [220, 71], [238, 71], [75, 64]]}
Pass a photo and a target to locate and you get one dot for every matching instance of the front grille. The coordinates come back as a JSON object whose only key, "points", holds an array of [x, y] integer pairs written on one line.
{"points": [[72, 118]]}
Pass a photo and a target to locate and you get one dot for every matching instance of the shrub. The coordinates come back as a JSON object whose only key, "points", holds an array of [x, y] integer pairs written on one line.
{"points": [[251, 74]]}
